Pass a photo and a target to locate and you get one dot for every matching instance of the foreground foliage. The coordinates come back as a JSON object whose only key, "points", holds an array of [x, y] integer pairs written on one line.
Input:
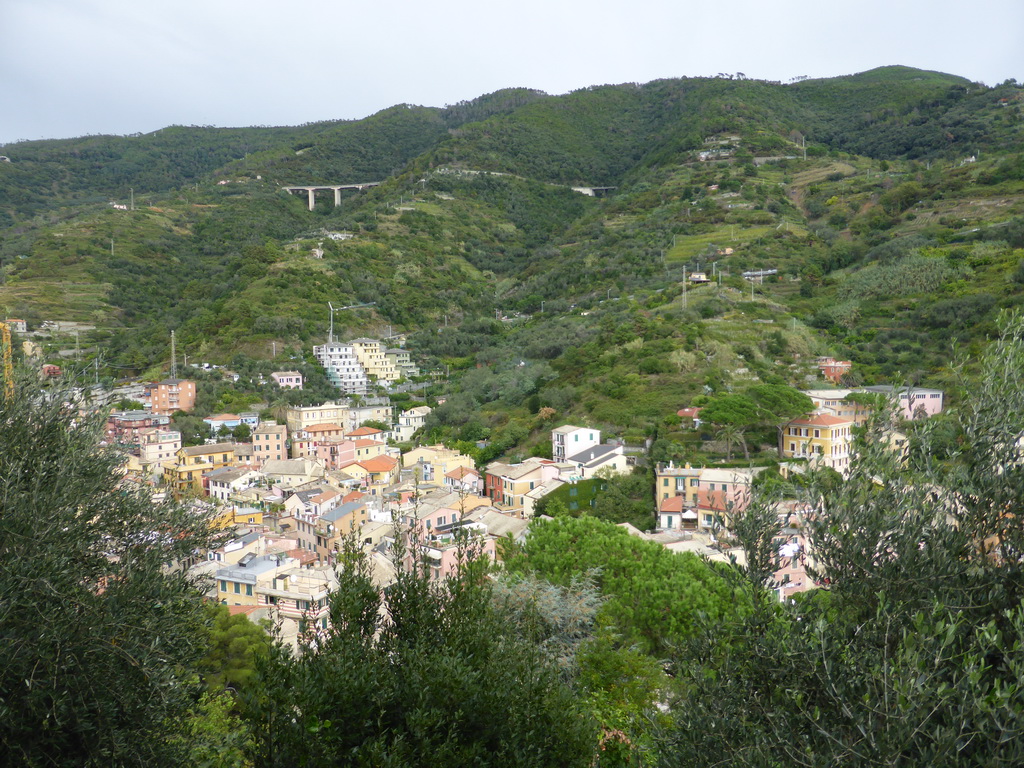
{"points": [[915, 654], [97, 635], [428, 672]]}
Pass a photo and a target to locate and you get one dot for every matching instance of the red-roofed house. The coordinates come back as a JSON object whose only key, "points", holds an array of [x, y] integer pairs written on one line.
{"points": [[365, 432], [374, 474], [674, 515], [833, 369], [690, 414], [464, 479]]}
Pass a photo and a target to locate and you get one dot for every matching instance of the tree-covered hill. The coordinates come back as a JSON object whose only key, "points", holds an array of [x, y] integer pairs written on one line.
{"points": [[888, 231]]}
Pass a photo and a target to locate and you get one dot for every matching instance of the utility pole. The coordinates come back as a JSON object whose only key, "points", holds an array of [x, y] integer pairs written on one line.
{"points": [[111, 246], [685, 301], [174, 359], [131, 191]]}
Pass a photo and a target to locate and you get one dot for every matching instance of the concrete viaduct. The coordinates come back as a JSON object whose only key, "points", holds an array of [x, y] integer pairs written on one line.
{"points": [[312, 189]]}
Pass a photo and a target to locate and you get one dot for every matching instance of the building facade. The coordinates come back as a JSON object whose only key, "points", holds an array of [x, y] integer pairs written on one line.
{"points": [[172, 395]]}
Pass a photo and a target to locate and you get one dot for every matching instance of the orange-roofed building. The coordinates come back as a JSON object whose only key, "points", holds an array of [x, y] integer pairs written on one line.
{"points": [[369, 449], [822, 439], [464, 479], [374, 474], [675, 515], [690, 414], [324, 430], [833, 369], [365, 432]]}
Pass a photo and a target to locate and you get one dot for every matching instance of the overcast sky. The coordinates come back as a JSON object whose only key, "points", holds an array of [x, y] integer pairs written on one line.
{"points": [[75, 67]]}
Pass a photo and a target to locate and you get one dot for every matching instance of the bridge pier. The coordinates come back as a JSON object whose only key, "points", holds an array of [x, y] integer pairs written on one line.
{"points": [[336, 188]]}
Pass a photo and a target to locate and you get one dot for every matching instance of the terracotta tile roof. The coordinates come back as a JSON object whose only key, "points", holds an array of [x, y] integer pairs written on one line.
{"points": [[322, 497], [717, 501], [304, 556], [315, 428], [673, 504], [364, 432], [378, 464], [460, 472], [367, 442]]}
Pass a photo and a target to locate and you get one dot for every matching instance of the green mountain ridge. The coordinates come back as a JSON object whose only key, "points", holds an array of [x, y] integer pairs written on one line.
{"points": [[475, 217]]}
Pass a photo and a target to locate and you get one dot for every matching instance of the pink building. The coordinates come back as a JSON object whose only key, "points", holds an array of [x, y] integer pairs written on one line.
{"points": [[334, 452], [911, 402], [287, 379], [170, 395], [791, 576], [464, 479], [435, 534]]}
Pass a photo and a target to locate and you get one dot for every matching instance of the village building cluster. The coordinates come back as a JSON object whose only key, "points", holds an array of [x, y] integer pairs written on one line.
{"points": [[301, 491]]}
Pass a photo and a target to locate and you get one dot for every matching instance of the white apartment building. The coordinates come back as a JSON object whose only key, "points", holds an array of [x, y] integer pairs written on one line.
{"points": [[343, 366], [157, 445], [568, 441]]}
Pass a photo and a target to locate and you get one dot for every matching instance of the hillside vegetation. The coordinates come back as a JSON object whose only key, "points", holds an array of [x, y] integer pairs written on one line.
{"points": [[890, 204]]}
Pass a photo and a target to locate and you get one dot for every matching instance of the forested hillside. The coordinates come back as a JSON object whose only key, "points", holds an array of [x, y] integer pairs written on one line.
{"points": [[605, 257], [888, 203]]}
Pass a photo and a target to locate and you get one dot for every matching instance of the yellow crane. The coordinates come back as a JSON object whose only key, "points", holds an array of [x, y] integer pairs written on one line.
{"points": [[5, 346]]}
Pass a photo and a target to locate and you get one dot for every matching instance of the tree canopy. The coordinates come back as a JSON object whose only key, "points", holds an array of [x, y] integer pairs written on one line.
{"points": [[98, 635], [913, 656], [653, 595]]}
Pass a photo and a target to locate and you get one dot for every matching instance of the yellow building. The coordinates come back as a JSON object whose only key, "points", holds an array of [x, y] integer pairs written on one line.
{"points": [[507, 484], [301, 417], [295, 596], [369, 449], [822, 439], [372, 356], [233, 515], [673, 480], [190, 464], [374, 475], [402, 362], [333, 526], [433, 462]]}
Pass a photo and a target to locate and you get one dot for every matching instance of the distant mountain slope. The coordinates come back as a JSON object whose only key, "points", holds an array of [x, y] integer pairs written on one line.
{"points": [[45, 174], [896, 111], [475, 216]]}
